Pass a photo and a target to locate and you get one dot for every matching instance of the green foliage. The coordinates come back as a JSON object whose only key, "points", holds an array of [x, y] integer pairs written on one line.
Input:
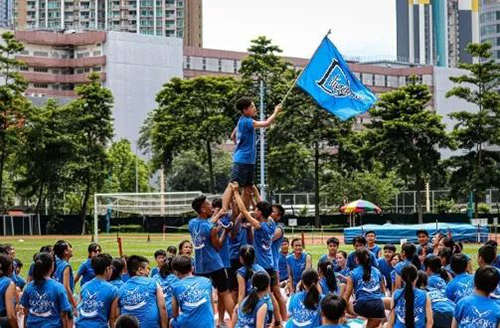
{"points": [[483, 208], [444, 206]]}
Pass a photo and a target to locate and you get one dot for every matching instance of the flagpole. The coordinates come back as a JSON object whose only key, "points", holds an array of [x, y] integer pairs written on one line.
{"points": [[297, 78]]}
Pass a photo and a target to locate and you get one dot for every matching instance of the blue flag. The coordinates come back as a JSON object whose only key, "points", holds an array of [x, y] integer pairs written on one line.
{"points": [[329, 80]]}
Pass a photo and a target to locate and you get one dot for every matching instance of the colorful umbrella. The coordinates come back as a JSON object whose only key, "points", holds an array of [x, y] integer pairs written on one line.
{"points": [[360, 206]]}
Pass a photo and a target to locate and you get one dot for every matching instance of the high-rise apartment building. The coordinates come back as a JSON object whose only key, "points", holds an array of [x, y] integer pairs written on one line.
{"points": [[170, 18], [490, 25], [436, 31]]}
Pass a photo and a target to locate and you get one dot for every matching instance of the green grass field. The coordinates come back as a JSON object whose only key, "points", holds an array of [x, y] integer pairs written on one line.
{"points": [[138, 244]]}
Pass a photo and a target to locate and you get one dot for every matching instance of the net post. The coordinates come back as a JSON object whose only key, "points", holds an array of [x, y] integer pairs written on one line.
{"points": [[96, 234]]}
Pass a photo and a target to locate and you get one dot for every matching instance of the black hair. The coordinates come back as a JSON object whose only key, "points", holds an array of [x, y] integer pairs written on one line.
{"points": [[181, 245], [60, 247], [425, 232], [434, 264], [486, 279], [333, 240], [333, 307], [409, 275], [172, 250], [487, 253], [449, 243], [118, 264], [18, 262], [5, 265], [371, 231], [198, 202], [5, 249], [359, 240], [166, 267], [309, 279], [422, 279], [492, 242], [134, 262], [247, 255], [285, 240], [182, 264], [446, 253], [260, 283], [425, 250], [458, 263], [390, 247], [93, 247], [280, 209], [160, 252], [294, 240], [46, 249], [326, 268], [100, 263], [243, 103], [126, 321], [344, 254], [265, 208], [217, 202], [411, 253], [43, 264], [364, 260]]}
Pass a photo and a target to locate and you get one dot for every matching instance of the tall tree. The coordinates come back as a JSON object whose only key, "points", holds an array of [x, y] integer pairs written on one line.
{"points": [[477, 169], [405, 135]]}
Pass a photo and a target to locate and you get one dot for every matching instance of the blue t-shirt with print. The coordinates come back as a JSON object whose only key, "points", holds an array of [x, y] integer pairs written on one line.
{"points": [[439, 302], [4, 284], [276, 247], [244, 152], [325, 289], [300, 316], [325, 257], [86, 272], [367, 290], [235, 243], [435, 281], [207, 258], [249, 320], [154, 271], [61, 266], [95, 306], [477, 311], [118, 282], [193, 295], [262, 243], [459, 287], [351, 260], [45, 303], [243, 273], [166, 286], [282, 266], [224, 251], [125, 277], [419, 303], [375, 250], [386, 269], [137, 297], [297, 266]]}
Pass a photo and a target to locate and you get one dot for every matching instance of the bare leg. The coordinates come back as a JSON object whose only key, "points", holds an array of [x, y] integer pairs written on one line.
{"points": [[220, 309], [226, 197], [373, 323], [227, 298], [247, 196], [281, 302]]}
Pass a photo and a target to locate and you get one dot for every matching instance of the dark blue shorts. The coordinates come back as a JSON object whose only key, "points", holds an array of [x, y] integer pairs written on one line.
{"points": [[370, 309], [243, 174]]}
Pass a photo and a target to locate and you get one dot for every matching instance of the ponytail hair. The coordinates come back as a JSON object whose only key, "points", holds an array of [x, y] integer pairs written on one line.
{"points": [[326, 268], [117, 264], [422, 280], [247, 256], [309, 279], [43, 264], [260, 283], [434, 264], [409, 274], [363, 257], [166, 267], [5, 266]]}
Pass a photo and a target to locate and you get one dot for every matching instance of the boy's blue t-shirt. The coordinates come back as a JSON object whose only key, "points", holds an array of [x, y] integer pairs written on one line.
{"points": [[262, 243], [194, 298], [375, 250], [419, 303], [282, 266], [125, 277], [367, 290], [276, 247], [45, 303], [439, 302], [86, 272], [61, 266], [166, 286], [351, 260], [207, 258], [95, 306], [435, 281], [235, 243], [137, 297], [224, 251], [4, 284], [244, 153], [300, 316], [118, 282], [249, 320], [154, 271], [243, 272], [459, 287], [477, 311], [297, 266], [386, 269]]}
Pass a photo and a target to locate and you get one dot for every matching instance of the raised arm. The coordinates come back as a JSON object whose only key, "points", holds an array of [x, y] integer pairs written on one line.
{"points": [[267, 123], [243, 209]]}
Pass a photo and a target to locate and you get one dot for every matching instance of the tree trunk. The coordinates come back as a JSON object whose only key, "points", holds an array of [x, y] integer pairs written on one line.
{"points": [[210, 168], [39, 202], [2, 165], [83, 211], [479, 167], [316, 185], [418, 187]]}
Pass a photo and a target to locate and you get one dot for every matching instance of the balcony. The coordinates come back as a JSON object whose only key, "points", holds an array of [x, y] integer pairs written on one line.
{"points": [[50, 92], [31, 61], [60, 39], [35, 77]]}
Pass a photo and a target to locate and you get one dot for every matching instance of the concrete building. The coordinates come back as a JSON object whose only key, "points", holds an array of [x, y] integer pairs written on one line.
{"points": [[436, 32], [170, 18], [133, 66], [490, 25]]}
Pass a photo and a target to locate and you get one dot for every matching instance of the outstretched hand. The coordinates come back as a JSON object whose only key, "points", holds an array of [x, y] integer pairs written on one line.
{"points": [[278, 108], [235, 186]]}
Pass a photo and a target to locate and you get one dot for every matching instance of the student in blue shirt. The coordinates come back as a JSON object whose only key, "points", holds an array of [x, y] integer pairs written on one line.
{"points": [[85, 270], [438, 277], [253, 311], [422, 239], [207, 245], [141, 296], [332, 245], [385, 265], [171, 250], [125, 275], [486, 256], [186, 248], [160, 256], [442, 307], [279, 236], [166, 278], [246, 272], [10, 251], [45, 301], [327, 281], [366, 282], [43, 249], [191, 297], [8, 316], [237, 238], [359, 242], [371, 239], [282, 265], [116, 275], [99, 304], [462, 284], [19, 265], [63, 273], [445, 256], [494, 244], [297, 263], [409, 256], [411, 307], [478, 310], [333, 309], [304, 307], [343, 270]]}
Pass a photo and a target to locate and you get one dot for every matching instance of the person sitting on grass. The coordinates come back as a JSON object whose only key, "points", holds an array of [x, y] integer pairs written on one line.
{"points": [[442, 307], [333, 309], [298, 262], [462, 284], [166, 278], [332, 245], [304, 307], [160, 256], [359, 242], [385, 264]]}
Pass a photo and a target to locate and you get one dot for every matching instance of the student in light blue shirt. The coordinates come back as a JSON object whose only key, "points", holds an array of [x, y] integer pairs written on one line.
{"points": [[371, 239], [486, 256], [359, 242], [332, 245], [385, 264], [304, 307], [437, 275], [462, 284], [333, 309], [343, 270], [408, 256], [85, 271], [246, 272], [442, 307], [45, 301], [282, 265], [327, 280], [7, 293], [279, 237], [160, 256], [116, 276], [478, 310], [297, 263], [63, 273], [99, 303], [166, 278], [43, 249], [141, 296]]}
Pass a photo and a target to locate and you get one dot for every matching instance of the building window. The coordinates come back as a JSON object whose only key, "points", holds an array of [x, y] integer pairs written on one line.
{"points": [[40, 54], [41, 85], [96, 69], [23, 68], [41, 69], [97, 53]]}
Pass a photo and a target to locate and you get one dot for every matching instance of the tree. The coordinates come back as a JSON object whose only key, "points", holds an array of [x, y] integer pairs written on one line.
{"points": [[478, 168], [13, 104], [405, 135], [93, 129]]}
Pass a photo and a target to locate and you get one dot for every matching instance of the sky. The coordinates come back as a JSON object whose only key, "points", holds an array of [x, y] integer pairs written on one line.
{"points": [[364, 28]]}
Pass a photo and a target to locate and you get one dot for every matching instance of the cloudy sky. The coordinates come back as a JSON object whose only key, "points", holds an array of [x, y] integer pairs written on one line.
{"points": [[365, 28]]}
